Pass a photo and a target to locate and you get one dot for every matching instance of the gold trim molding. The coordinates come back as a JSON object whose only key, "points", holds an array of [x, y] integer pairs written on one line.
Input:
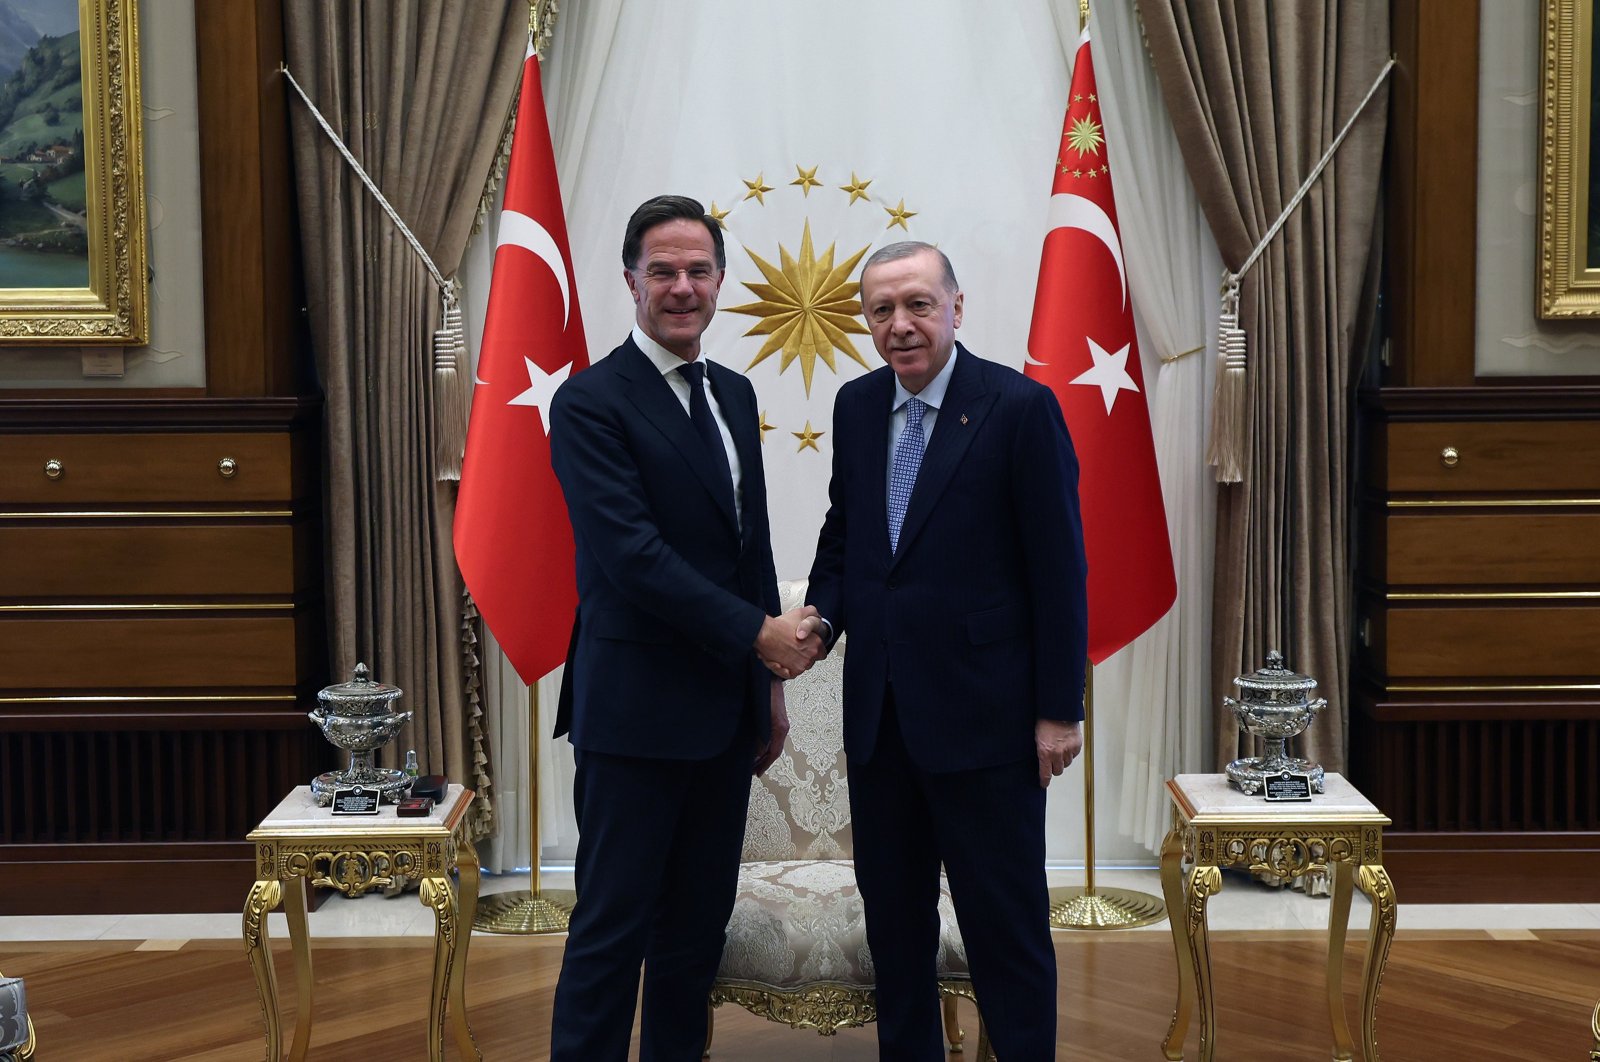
{"points": [[1494, 595], [210, 606], [143, 514], [1497, 687], [147, 698], [113, 307], [1568, 286], [1490, 503]]}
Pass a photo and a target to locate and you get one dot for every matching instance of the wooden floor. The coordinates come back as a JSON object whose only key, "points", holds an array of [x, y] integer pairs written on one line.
{"points": [[1446, 996]]}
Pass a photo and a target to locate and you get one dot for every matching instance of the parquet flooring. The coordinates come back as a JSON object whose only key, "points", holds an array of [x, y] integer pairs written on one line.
{"points": [[1446, 996]]}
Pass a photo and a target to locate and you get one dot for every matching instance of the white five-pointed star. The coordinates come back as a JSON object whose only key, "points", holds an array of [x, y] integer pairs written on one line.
{"points": [[541, 388], [1110, 373]]}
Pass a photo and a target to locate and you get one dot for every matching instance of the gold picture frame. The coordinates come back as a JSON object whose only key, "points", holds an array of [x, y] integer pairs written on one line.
{"points": [[1569, 251], [103, 246]]}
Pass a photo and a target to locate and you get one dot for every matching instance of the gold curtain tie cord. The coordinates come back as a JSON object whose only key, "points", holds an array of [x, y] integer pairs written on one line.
{"points": [[447, 288], [1168, 359], [450, 354], [1233, 278]]}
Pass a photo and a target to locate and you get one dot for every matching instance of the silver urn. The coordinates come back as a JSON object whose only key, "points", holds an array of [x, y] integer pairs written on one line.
{"points": [[1274, 705], [360, 717]]}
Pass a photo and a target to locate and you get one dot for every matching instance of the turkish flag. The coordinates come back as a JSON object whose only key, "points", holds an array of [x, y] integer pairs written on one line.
{"points": [[1082, 346], [512, 537]]}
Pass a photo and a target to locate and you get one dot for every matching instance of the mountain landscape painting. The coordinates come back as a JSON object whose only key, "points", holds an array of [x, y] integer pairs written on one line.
{"points": [[44, 239]]}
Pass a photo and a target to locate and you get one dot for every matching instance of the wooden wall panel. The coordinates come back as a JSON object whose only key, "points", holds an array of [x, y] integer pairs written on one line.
{"points": [[1492, 548], [142, 651], [156, 469], [1493, 639], [151, 562], [1506, 455]]}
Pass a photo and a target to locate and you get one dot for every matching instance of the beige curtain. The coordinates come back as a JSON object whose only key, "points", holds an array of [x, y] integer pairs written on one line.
{"points": [[1257, 91], [419, 90]]}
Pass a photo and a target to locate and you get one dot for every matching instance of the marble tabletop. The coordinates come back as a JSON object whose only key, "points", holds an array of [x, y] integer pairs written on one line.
{"points": [[1210, 795], [299, 811]]}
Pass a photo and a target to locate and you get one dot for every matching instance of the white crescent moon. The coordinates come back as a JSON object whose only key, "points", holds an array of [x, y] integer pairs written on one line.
{"points": [[1068, 211], [524, 232]]}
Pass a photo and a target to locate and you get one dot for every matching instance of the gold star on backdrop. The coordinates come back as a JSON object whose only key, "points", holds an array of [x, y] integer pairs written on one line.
{"points": [[1085, 137], [764, 426], [857, 188], [898, 215], [807, 180], [808, 438], [758, 189], [807, 307], [717, 215]]}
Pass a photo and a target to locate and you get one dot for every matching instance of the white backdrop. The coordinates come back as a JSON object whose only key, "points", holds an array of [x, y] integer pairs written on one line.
{"points": [[953, 113]]}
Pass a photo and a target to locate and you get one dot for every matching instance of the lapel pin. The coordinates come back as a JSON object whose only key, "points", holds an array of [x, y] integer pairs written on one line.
{"points": [[963, 418]]}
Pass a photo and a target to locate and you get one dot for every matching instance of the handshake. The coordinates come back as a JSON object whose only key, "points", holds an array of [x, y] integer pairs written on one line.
{"points": [[789, 644]]}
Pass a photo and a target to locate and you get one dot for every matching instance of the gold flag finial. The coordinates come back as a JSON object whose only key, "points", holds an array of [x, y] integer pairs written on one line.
{"points": [[1083, 14]]}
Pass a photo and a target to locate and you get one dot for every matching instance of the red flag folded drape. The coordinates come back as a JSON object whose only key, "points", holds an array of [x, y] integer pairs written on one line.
{"points": [[513, 542], [1082, 347]]}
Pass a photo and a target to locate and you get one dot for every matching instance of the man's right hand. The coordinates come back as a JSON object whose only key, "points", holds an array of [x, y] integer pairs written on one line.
{"points": [[789, 644]]}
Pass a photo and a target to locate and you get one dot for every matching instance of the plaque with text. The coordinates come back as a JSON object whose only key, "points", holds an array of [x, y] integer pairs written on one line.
{"points": [[356, 800], [1287, 787]]}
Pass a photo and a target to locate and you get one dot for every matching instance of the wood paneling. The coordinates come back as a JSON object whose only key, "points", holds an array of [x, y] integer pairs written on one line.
{"points": [[1432, 187], [1493, 549], [1493, 639], [152, 561], [154, 469], [144, 651], [1507, 455], [246, 187]]}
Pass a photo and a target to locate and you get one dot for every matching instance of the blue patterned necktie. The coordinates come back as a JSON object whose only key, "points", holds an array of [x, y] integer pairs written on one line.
{"points": [[705, 425], [903, 473]]}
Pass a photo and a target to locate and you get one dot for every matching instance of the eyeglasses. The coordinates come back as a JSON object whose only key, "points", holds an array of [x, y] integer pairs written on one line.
{"points": [[664, 276]]}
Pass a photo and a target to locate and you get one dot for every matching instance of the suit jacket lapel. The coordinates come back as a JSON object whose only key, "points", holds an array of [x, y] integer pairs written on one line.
{"points": [[653, 397], [742, 425], [960, 416]]}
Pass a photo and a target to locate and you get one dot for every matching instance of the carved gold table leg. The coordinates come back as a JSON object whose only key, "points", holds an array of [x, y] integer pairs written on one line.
{"points": [[264, 896], [1338, 924], [467, 868], [437, 894], [294, 908], [1374, 881], [1594, 1024], [953, 1035], [1204, 882], [1172, 892]]}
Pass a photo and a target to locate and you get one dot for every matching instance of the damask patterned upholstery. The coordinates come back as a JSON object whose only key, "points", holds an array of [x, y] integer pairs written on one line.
{"points": [[797, 921]]}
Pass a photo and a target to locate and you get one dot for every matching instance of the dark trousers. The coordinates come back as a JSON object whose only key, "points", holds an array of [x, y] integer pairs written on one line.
{"points": [[657, 866], [987, 827]]}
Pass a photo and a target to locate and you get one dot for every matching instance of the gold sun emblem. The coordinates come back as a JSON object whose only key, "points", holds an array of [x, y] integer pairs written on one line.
{"points": [[1085, 137], [808, 308]]}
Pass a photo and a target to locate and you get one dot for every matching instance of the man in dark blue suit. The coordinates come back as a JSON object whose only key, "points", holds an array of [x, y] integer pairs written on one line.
{"points": [[672, 690], [952, 553]]}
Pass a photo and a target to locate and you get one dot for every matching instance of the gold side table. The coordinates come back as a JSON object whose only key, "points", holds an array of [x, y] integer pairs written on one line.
{"points": [[301, 843], [1215, 826]]}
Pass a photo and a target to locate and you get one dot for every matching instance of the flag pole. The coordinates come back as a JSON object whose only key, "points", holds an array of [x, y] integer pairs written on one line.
{"points": [[1082, 907], [536, 910]]}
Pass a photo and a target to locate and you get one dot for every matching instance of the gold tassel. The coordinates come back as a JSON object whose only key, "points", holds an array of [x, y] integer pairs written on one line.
{"points": [[449, 388], [1228, 413]]}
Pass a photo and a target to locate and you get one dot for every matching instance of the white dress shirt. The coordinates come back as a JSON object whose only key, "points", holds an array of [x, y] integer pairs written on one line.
{"points": [[668, 363]]}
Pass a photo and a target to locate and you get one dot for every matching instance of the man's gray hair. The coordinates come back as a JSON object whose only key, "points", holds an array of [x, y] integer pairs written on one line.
{"points": [[906, 249]]}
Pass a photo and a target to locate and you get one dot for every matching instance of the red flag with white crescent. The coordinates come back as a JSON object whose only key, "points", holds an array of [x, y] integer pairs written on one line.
{"points": [[1082, 346], [512, 537]]}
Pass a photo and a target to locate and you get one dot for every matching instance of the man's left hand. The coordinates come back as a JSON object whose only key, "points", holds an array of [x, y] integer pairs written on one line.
{"points": [[768, 753], [1057, 744]]}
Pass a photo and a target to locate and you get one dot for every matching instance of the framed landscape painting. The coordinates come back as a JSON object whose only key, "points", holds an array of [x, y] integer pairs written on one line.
{"points": [[72, 212]]}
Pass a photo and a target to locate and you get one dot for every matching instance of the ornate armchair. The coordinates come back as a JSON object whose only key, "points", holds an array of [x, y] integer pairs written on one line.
{"points": [[796, 950]]}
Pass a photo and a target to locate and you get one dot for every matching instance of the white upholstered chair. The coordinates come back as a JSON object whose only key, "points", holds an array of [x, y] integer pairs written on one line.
{"points": [[796, 950]]}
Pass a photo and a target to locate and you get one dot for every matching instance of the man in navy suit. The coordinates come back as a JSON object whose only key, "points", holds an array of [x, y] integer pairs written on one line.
{"points": [[952, 553], [671, 693]]}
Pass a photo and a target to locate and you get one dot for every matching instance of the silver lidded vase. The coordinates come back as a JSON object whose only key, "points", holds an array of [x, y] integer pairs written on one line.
{"points": [[360, 717], [1274, 705]]}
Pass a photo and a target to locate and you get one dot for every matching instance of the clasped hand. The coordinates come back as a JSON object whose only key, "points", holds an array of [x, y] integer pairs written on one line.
{"points": [[789, 644]]}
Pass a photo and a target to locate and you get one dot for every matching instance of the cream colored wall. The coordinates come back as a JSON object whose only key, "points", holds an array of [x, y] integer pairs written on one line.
{"points": [[1511, 340], [176, 354]]}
